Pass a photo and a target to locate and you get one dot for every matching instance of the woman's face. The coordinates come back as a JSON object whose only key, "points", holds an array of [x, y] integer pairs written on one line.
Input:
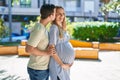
{"points": [[60, 15]]}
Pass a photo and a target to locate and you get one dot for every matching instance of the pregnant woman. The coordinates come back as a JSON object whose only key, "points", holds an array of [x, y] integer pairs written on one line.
{"points": [[63, 59]]}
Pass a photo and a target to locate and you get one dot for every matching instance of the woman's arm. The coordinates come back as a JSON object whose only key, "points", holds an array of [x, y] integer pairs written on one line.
{"points": [[58, 60]]}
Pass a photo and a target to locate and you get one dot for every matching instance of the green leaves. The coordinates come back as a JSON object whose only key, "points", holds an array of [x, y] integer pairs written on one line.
{"points": [[95, 31], [4, 30], [113, 5]]}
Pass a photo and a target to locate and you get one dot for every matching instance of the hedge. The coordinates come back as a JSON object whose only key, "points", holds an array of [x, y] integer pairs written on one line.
{"points": [[95, 31]]}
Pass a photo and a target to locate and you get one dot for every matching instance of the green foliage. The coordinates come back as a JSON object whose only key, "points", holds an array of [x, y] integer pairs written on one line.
{"points": [[69, 27], [113, 5], [95, 31], [15, 1], [4, 30], [87, 31], [29, 26]]}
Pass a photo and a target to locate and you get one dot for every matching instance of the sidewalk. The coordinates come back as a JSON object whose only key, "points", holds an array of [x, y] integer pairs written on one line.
{"points": [[106, 68]]}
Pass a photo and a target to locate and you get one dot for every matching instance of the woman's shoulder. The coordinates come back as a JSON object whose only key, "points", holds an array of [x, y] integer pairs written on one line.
{"points": [[54, 27]]}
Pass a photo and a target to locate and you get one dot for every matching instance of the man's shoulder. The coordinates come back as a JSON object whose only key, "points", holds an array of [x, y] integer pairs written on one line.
{"points": [[38, 26]]}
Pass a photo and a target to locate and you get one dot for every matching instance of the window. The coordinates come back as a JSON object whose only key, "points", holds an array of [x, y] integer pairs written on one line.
{"points": [[38, 3], [72, 5], [2, 2], [89, 6], [25, 3], [78, 3]]}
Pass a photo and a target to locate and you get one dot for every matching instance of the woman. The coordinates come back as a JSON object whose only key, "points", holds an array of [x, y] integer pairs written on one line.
{"points": [[62, 60]]}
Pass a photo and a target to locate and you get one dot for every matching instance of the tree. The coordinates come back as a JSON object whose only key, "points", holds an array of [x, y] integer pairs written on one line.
{"points": [[113, 5], [4, 30], [105, 1], [15, 1]]}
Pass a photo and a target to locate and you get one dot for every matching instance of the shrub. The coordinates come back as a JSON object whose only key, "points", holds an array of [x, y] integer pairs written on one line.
{"points": [[95, 31], [4, 30]]}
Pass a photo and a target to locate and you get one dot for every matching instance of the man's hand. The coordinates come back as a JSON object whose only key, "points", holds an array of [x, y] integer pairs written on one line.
{"points": [[51, 50]]}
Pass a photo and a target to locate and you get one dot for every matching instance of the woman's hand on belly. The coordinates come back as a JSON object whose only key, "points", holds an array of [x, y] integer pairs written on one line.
{"points": [[66, 66]]}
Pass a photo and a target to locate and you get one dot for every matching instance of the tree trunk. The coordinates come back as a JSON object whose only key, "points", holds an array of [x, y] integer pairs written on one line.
{"points": [[105, 1], [106, 17]]}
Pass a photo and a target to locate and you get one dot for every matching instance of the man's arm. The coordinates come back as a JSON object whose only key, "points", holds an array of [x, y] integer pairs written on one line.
{"points": [[36, 51]]}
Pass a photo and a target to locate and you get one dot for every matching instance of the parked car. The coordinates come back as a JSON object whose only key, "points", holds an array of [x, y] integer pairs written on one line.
{"points": [[15, 38]]}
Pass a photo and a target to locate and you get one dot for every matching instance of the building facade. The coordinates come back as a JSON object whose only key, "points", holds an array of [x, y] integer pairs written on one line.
{"points": [[76, 10]]}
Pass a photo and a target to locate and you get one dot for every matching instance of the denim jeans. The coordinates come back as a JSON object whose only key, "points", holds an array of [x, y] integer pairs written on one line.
{"points": [[38, 74]]}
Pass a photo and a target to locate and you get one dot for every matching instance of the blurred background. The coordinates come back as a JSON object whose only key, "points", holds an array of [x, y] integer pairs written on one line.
{"points": [[17, 16]]}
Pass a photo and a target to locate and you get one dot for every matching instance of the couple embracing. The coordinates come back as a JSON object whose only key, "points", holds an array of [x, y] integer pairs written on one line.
{"points": [[51, 53]]}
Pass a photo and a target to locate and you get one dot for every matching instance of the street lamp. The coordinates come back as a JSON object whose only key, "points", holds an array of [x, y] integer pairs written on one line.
{"points": [[90, 15], [10, 20]]}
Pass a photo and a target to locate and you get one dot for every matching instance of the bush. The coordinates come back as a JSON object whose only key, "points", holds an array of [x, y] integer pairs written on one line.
{"points": [[69, 27], [95, 31], [4, 30]]}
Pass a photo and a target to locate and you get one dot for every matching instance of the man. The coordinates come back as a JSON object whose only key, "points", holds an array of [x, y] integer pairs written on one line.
{"points": [[38, 43]]}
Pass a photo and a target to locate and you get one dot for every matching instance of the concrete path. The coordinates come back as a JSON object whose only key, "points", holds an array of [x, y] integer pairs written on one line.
{"points": [[107, 67]]}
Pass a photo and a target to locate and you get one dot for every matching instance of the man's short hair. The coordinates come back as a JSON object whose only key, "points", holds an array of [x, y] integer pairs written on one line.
{"points": [[46, 10]]}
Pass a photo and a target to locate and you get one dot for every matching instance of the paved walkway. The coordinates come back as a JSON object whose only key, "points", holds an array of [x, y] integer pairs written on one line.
{"points": [[106, 68]]}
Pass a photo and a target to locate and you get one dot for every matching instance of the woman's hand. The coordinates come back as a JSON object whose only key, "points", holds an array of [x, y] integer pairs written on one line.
{"points": [[65, 66], [64, 24]]}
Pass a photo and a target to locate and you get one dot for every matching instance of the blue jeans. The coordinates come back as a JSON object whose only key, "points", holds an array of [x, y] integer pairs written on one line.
{"points": [[38, 74]]}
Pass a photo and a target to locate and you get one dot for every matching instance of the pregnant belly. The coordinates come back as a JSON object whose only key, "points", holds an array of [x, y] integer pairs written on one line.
{"points": [[66, 52]]}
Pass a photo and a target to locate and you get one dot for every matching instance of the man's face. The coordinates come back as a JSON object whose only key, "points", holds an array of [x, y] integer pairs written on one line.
{"points": [[53, 15]]}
